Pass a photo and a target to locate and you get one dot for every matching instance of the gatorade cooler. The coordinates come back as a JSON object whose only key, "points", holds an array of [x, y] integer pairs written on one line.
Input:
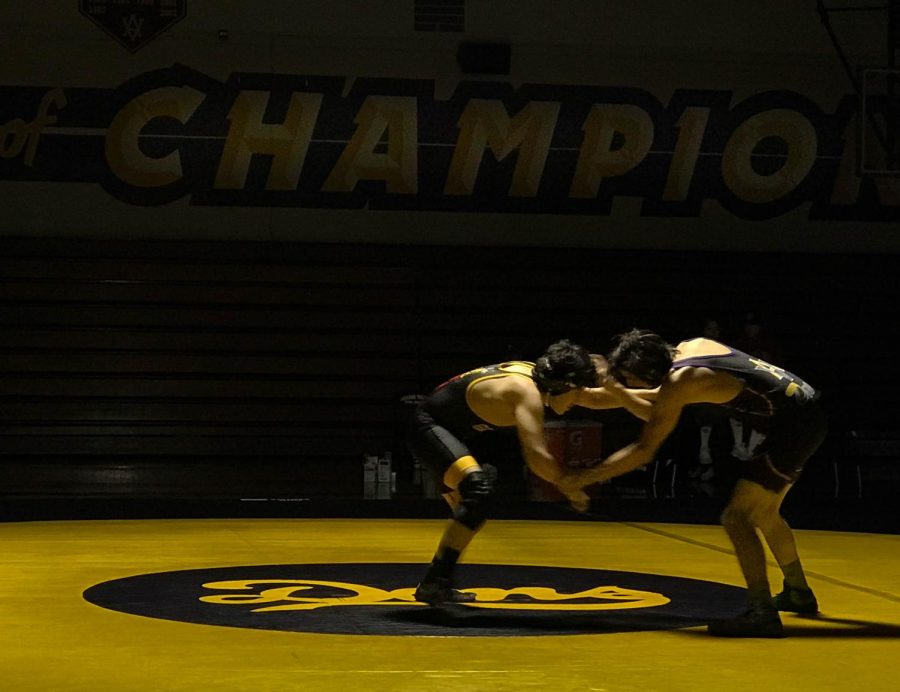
{"points": [[574, 444]]}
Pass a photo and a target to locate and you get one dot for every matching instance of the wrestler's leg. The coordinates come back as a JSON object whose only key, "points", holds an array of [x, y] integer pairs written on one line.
{"points": [[457, 535], [776, 531], [748, 503], [796, 596], [469, 494], [777, 466]]}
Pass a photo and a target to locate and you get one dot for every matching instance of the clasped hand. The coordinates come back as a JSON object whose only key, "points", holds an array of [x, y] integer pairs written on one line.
{"points": [[570, 484]]}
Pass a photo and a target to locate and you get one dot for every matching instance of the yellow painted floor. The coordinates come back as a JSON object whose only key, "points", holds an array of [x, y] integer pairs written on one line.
{"points": [[53, 639]]}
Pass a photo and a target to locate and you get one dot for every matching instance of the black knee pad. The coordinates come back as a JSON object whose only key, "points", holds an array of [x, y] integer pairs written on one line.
{"points": [[475, 492]]}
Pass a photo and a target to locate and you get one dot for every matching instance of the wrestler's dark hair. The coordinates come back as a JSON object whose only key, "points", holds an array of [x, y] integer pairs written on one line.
{"points": [[644, 354], [564, 366]]}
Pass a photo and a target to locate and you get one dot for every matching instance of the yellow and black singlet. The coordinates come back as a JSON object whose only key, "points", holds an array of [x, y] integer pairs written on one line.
{"points": [[449, 404]]}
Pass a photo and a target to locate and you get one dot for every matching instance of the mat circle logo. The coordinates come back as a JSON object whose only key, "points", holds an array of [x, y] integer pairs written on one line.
{"points": [[377, 598]]}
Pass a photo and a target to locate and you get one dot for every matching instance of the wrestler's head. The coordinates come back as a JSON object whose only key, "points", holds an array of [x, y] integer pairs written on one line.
{"points": [[641, 358], [564, 366]]}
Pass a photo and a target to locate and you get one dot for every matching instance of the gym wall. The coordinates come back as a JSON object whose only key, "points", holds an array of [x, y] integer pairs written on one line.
{"points": [[232, 239]]}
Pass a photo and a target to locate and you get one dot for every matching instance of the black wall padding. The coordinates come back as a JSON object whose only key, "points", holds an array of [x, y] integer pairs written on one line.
{"points": [[237, 369]]}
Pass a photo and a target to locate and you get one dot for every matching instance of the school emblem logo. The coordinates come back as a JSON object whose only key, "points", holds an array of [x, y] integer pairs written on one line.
{"points": [[133, 23], [377, 598]]}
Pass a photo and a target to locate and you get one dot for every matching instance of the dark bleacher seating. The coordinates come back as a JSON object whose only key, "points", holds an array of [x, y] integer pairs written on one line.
{"points": [[214, 369]]}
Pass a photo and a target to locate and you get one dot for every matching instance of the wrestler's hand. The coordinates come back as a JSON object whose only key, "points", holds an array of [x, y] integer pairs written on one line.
{"points": [[579, 500], [570, 486], [612, 385]]}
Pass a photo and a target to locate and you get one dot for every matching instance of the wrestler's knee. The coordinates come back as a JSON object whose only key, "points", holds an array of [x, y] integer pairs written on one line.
{"points": [[743, 516], [476, 493], [736, 516]]}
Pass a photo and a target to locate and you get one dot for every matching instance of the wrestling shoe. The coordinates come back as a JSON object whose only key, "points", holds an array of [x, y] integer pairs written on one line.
{"points": [[792, 600], [757, 621], [438, 591]]}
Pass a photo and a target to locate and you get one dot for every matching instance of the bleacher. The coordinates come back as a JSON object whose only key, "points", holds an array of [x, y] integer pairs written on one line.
{"points": [[213, 369]]}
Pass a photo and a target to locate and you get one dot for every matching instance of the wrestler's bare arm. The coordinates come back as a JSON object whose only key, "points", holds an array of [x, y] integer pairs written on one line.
{"points": [[612, 394]]}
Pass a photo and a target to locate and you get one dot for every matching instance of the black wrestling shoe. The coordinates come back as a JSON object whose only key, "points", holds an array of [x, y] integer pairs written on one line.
{"points": [[439, 591], [757, 621], [802, 601]]}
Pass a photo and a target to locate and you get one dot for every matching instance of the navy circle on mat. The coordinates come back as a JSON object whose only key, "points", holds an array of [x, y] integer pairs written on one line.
{"points": [[376, 599]]}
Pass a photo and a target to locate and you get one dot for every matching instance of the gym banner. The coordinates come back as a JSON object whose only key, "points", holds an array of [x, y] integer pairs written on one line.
{"points": [[274, 140]]}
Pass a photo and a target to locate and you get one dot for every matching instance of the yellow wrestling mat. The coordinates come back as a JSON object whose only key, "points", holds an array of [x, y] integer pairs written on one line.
{"points": [[309, 604]]}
